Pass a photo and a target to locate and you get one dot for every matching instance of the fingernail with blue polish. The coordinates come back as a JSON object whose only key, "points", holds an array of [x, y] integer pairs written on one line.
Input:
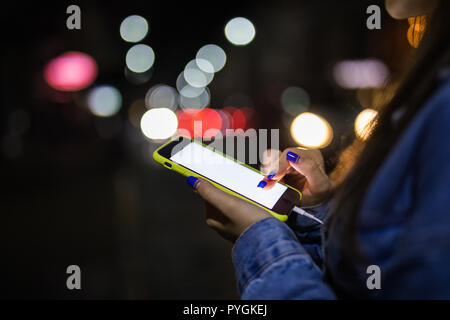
{"points": [[261, 184], [271, 174], [192, 181], [293, 157]]}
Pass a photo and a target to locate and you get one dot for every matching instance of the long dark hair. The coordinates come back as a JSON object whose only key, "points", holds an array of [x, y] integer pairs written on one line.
{"points": [[416, 87]]}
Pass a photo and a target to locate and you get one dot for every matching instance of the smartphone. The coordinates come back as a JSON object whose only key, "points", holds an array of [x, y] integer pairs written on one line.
{"points": [[192, 158]]}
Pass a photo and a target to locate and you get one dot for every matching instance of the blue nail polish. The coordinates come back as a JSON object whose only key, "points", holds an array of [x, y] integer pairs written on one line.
{"points": [[261, 184], [271, 174], [291, 156], [192, 181]]}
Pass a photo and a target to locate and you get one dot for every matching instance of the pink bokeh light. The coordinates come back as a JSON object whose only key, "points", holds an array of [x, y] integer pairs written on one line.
{"points": [[71, 71]]}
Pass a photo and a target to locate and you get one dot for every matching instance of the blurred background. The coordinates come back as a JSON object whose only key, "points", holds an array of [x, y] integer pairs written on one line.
{"points": [[83, 110]]}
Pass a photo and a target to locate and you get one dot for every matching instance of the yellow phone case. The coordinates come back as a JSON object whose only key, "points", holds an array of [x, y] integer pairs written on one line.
{"points": [[186, 172]]}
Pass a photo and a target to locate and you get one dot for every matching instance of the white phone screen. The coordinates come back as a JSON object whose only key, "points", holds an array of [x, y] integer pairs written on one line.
{"points": [[227, 173]]}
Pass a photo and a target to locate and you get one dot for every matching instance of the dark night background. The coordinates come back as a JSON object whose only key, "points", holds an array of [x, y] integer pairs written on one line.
{"points": [[78, 189]]}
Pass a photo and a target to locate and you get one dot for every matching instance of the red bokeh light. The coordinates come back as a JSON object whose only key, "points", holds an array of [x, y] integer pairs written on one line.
{"points": [[251, 117], [238, 118], [71, 71], [226, 121], [185, 121], [204, 123]]}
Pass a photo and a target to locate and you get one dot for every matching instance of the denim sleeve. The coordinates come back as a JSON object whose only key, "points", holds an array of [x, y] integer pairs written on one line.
{"points": [[420, 267], [271, 264], [309, 232]]}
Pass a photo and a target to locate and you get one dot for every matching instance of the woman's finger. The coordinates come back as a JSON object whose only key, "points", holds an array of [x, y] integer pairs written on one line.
{"points": [[267, 184], [224, 202], [233, 215], [283, 164], [311, 169]]}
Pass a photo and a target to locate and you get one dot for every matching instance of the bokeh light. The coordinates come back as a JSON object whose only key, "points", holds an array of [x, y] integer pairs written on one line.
{"points": [[416, 30], [214, 55], [353, 74], [226, 121], [210, 121], [159, 123], [185, 89], [251, 117], [311, 130], [238, 120], [133, 28], [70, 71], [205, 123], [240, 31], [140, 58], [295, 100], [364, 123], [196, 77], [104, 101], [162, 96], [196, 102], [191, 92], [185, 122]]}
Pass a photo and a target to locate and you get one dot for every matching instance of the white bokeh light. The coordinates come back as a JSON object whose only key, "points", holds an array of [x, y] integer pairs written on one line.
{"points": [[185, 89], [240, 31], [191, 92], [133, 28], [140, 58], [196, 102], [196, 77], [311, 130], [159, 123], [211, 55], [162, 96], [104, 101], [367, 73], [204, 65]]}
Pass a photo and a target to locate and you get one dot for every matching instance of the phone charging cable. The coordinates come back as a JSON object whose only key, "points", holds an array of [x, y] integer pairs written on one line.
{"points": [[306, 214]]}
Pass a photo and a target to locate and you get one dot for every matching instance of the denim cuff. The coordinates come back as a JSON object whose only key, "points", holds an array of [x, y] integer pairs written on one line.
{"points": [[259, 246]]}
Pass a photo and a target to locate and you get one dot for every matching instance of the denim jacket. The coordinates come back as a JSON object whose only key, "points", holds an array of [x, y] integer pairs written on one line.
{"points": [[404, 229]]}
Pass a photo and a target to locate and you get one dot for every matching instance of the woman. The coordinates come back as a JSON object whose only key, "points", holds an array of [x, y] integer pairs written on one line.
{"points": [[390, 216]]}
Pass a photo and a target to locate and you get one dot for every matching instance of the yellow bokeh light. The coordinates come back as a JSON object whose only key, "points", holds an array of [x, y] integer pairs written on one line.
{"points": [[311, 130], [364, 122], [159, 123], [416, 30]]}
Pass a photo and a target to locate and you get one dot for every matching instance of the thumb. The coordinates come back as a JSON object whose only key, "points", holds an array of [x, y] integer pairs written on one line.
{"points": [[223, 201]]}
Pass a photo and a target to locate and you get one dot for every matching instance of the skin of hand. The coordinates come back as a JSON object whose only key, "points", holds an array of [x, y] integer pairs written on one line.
{"points": [[307, 174], [230, 216], [225, 213]]}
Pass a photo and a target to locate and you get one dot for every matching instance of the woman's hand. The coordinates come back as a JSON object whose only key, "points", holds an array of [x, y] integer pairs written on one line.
{"points": [[227, 214], [300, 168]]}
